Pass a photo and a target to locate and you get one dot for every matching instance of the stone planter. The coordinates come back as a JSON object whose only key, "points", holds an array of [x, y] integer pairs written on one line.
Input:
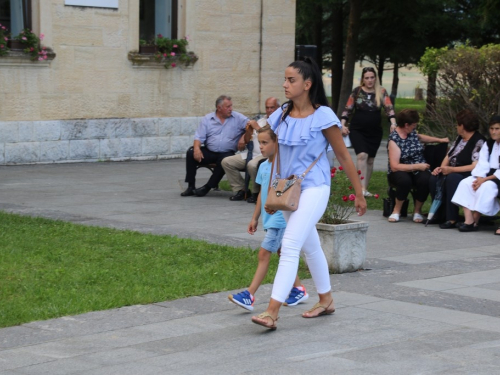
{"points": [[344, 245]]}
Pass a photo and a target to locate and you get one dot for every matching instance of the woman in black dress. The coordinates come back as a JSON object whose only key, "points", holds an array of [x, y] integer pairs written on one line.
{"points": [[365, 130]]}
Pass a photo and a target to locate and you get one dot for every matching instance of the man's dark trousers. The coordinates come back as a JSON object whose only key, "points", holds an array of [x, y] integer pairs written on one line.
{"points": [[209, 157]]}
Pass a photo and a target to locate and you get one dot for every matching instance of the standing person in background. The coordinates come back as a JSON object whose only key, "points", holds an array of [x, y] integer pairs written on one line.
{"points": [[234, 164], [305, 125], [274, 226], [365, 130]]}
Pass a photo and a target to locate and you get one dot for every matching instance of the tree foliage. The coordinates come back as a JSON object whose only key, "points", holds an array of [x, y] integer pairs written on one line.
{"points": [[467, 78]]}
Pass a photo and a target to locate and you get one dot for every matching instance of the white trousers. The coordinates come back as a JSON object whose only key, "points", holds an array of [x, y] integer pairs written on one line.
{"points": [[300, 234], [483, 200]]}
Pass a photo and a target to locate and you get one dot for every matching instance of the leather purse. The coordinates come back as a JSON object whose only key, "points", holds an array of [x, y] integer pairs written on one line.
{"points": [[283, 194]]}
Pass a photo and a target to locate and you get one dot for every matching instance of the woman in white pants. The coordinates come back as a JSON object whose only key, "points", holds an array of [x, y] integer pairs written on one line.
{"points": [[479, 193], [305, 125]]}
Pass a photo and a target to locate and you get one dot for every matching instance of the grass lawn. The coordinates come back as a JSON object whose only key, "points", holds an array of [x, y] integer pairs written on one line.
{"points": [[51, 268]]}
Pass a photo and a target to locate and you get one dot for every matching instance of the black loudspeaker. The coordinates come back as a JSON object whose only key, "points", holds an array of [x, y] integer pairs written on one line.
{"points": [[303, 50]]}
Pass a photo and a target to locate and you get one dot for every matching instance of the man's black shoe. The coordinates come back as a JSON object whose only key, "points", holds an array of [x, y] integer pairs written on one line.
{"points": [[448, 225], [239, 196], [253, 198], [201, 192], [189, 191]]}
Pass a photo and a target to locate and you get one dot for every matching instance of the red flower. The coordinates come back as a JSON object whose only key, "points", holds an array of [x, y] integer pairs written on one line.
{"points": [[344, 198], [362, 177], [359, 172], [333, 170], [332, 174], [352, 197], [376, 196], [340, 168], [350, 187]]}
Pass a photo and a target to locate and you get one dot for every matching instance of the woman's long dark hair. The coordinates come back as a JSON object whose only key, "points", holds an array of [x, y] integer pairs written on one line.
{"points": [[309, 70]]}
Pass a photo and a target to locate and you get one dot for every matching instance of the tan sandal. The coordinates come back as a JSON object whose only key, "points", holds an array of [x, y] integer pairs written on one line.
{"points": [[259, 319], [325, 311]]}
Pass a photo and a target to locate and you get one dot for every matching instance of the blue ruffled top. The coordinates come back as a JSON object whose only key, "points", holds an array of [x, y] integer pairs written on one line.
{"points": [[301, 141]]}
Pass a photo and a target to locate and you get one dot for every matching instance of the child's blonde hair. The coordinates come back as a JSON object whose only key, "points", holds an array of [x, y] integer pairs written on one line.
{"points": [[267, 129]]}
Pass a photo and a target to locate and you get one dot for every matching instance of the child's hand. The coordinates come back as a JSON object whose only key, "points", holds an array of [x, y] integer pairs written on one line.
{"points": [[252, 227]]}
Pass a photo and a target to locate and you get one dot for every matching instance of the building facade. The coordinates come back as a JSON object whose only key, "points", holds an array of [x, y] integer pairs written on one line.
{"points": [[92, 101]]}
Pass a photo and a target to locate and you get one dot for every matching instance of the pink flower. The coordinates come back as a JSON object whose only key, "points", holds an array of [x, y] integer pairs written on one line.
{"points": [[172, 53], [175, 45], [31, 48], [41, 37], [24, 38], [344, 198], [45, 57], [376, 196], [352, 197], [160, 36], [40, 58], [164, 55], [362, 178], [1, 45], [173, 65], [332, 174], [6, 39]]}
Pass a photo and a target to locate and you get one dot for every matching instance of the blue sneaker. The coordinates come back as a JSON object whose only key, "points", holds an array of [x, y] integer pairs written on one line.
{"points": [[296, 296], [243, 299]]}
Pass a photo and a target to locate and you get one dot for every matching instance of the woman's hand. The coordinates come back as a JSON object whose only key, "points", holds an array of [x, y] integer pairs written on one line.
{"points": [[445, 140], [446, 170], [478, 182], [345, 130], [360, 204], [436, 171], [421, 166]]}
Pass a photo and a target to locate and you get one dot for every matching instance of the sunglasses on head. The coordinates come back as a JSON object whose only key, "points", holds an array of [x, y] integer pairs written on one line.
{"points": [[368, 69]]}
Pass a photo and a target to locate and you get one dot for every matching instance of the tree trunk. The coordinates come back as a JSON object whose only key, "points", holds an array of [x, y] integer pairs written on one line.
{"points": [[318, 35], [380, 68], [395, 83], [350, 53], [431, 92], [337, 21]]}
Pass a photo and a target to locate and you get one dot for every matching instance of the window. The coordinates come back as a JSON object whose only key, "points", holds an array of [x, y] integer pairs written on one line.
{"points": [[15, 15], [93, 3], [157, 17]]}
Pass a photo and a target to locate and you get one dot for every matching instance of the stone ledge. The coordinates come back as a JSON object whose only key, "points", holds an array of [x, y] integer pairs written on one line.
{"points": [[19, 58]]}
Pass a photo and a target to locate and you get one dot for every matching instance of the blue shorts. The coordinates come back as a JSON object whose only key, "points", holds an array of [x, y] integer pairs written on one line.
{"points": [[272, 240]]}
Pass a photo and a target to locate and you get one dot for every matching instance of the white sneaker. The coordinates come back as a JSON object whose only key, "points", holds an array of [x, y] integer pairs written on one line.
{"points": [[366, 193]]}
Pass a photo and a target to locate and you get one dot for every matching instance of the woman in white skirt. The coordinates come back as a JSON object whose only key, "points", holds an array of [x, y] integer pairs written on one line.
{"points": [[480, 193]]}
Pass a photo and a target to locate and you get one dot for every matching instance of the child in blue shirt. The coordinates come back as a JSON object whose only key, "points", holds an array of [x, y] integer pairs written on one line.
{"points": [[274, 226]]}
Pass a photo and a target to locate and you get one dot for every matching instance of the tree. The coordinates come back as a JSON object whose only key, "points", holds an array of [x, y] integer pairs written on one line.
{"points": [[350, 52], [467, 78]]}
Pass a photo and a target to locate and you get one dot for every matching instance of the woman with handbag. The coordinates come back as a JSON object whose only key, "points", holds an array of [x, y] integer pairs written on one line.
{"points": [[365, 130], [305, 125]]}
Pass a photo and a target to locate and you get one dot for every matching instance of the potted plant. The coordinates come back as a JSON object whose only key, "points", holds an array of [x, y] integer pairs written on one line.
{"points": [[169, 52], [343, 240], [147, 48], [4, 39]]}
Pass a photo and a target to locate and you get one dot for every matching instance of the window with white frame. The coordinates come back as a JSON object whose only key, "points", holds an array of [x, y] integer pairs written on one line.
{"points": [[157, 17], [93, 3], [15, 15]]}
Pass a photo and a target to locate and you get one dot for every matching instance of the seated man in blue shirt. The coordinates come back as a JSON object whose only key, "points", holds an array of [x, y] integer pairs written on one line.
{"points": [[221, 132]]}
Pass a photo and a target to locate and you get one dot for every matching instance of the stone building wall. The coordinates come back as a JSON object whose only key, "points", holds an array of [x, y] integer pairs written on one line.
{"points": [[92, 85]]}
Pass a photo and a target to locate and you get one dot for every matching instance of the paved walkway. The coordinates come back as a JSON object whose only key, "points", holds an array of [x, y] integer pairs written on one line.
{"points": [[428, 301]]}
